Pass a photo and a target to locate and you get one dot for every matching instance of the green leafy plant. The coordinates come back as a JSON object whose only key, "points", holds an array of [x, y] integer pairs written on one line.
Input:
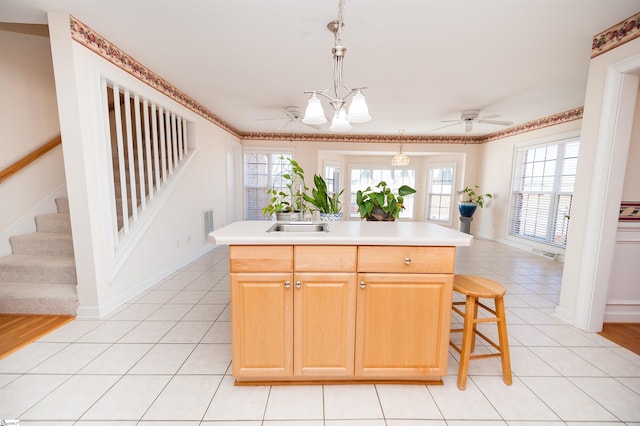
{"points": [[287, 197], [473, 195], [321, 199], [381, 203]]}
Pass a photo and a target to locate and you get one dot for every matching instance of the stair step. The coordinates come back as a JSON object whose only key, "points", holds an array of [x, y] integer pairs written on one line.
{"points": [[43, 243], [38, 298], [38, 269], [62, 203], [54, 222]]}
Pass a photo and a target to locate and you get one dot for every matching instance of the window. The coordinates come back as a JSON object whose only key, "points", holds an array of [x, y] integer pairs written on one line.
{"points": [[542, 192], [361, 178], [332, 177], [440, 193], [262, 170]]}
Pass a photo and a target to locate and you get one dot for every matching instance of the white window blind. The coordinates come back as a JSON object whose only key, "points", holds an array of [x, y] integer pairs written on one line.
{"points": [[543, 190], [262, 171], [440, 193]]}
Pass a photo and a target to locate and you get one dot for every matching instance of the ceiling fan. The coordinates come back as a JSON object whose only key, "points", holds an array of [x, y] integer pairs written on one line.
{"points": [[292, 115], [470, 116]]}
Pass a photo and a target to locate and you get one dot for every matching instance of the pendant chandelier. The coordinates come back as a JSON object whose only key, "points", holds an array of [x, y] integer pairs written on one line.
{"points": [[400, 159], [358, 112]]}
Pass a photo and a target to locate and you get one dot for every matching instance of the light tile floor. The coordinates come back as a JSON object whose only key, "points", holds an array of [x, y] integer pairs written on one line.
{"points": [[164, 359]]}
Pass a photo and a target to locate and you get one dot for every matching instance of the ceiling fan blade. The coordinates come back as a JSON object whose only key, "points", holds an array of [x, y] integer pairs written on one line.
{"points": [[448, 125], [313, 126], [468, 126], [271, 119], [488, 116], [501, 123], [287, 123]]}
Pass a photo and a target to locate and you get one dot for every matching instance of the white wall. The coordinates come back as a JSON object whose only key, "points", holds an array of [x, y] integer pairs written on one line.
{"points": [[623, 295], [176, 235], [29, 120], [605, 135]]}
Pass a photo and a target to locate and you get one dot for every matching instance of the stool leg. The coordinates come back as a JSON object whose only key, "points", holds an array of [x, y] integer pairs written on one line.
{"points": [[475, 326], [504, 341], [467, 337]]}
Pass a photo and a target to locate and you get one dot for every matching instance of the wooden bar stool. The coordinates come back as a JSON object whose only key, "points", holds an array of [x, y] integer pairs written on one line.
{"points": [[474, 287]]}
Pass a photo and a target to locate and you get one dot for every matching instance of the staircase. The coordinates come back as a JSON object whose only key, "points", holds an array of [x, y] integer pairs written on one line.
{"points": [[40, 276]]}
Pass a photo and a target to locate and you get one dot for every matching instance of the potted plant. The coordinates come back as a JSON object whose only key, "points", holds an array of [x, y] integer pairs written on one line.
{"points": [[287, 199], [328, 205], [381, 203], [471, 199]]}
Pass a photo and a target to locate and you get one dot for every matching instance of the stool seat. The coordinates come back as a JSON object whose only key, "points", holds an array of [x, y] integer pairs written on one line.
{"points": [[474, 288], [471, 285]]}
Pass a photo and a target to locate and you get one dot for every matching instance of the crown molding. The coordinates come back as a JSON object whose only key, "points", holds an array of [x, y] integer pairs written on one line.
{"points": [[87, 37], [615, 36]]}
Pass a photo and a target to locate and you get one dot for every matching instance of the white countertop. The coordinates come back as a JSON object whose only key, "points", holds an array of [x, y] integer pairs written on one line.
{"points": [[343, 233]]}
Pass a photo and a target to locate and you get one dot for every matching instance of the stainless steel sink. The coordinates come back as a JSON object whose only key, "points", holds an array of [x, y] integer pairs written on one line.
{"points": [[299, 227]]}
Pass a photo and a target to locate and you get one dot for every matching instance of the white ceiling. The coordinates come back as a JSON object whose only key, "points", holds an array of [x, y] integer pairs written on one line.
{"points": [[423, 61]]}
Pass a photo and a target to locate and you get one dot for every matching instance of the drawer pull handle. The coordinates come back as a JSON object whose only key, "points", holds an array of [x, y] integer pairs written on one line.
{"points": [[287, 284], [298, 284], [407, 261], [363, 284]]}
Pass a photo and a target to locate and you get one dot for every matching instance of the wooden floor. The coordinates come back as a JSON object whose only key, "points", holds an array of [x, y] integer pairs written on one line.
{"points": [[626, 335], [17, 331]]}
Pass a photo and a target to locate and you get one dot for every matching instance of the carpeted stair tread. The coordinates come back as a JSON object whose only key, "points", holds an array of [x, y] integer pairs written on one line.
{"points": [[41, 269], [43, 243], [62, 204], [54, 222], [38, 298]]}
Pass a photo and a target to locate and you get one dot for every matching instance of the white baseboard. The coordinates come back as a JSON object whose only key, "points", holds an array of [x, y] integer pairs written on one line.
{"points": [[108, 307], [622, 311], [565, 315]]}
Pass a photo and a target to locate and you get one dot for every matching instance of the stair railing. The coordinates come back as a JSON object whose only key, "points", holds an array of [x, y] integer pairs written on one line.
{"points": [[14, 168], [148, 145]]}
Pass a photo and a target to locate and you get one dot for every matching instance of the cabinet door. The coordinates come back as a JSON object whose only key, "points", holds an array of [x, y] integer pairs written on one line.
{"points": [[403, 325], [262, 324], [324, 324]]}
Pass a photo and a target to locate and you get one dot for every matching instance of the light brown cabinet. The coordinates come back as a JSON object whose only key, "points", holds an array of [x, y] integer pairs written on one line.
{"points": [[331, 313]]}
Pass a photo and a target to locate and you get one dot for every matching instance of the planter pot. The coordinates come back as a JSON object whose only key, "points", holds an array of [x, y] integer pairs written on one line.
{"points": [[467, 208], [285, 217], [330, 217], [380, 215]]}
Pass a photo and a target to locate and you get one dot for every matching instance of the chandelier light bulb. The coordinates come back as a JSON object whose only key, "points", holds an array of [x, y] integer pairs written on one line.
{"points": [[314, 114], [358, 110], [339, 122]]}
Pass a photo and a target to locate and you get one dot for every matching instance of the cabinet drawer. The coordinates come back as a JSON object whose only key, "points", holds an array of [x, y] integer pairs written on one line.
{"points": [[325, 258], [406, 259], [261, 258]]}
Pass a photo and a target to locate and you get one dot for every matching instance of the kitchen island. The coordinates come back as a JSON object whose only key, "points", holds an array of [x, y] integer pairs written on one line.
{"points": [[357, 302]]}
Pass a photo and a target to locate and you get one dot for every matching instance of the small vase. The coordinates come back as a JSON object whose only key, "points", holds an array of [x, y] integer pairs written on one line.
{"points": [[330, 217], [467, 208], [380, 215]]}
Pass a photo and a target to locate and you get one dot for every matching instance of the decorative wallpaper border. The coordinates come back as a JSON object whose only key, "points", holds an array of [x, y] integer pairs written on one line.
{"points": [[615, 36], [84, 35], [103, 47], [552, 120]]}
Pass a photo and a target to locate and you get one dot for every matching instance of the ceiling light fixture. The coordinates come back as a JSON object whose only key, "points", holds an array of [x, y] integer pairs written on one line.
{"points": [[400, 159], [358, 111]]}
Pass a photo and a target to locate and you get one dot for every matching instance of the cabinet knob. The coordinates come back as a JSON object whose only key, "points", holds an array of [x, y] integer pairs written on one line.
{"points": [[407, 261], [298, 284], [287, 284], [363, 284]]}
